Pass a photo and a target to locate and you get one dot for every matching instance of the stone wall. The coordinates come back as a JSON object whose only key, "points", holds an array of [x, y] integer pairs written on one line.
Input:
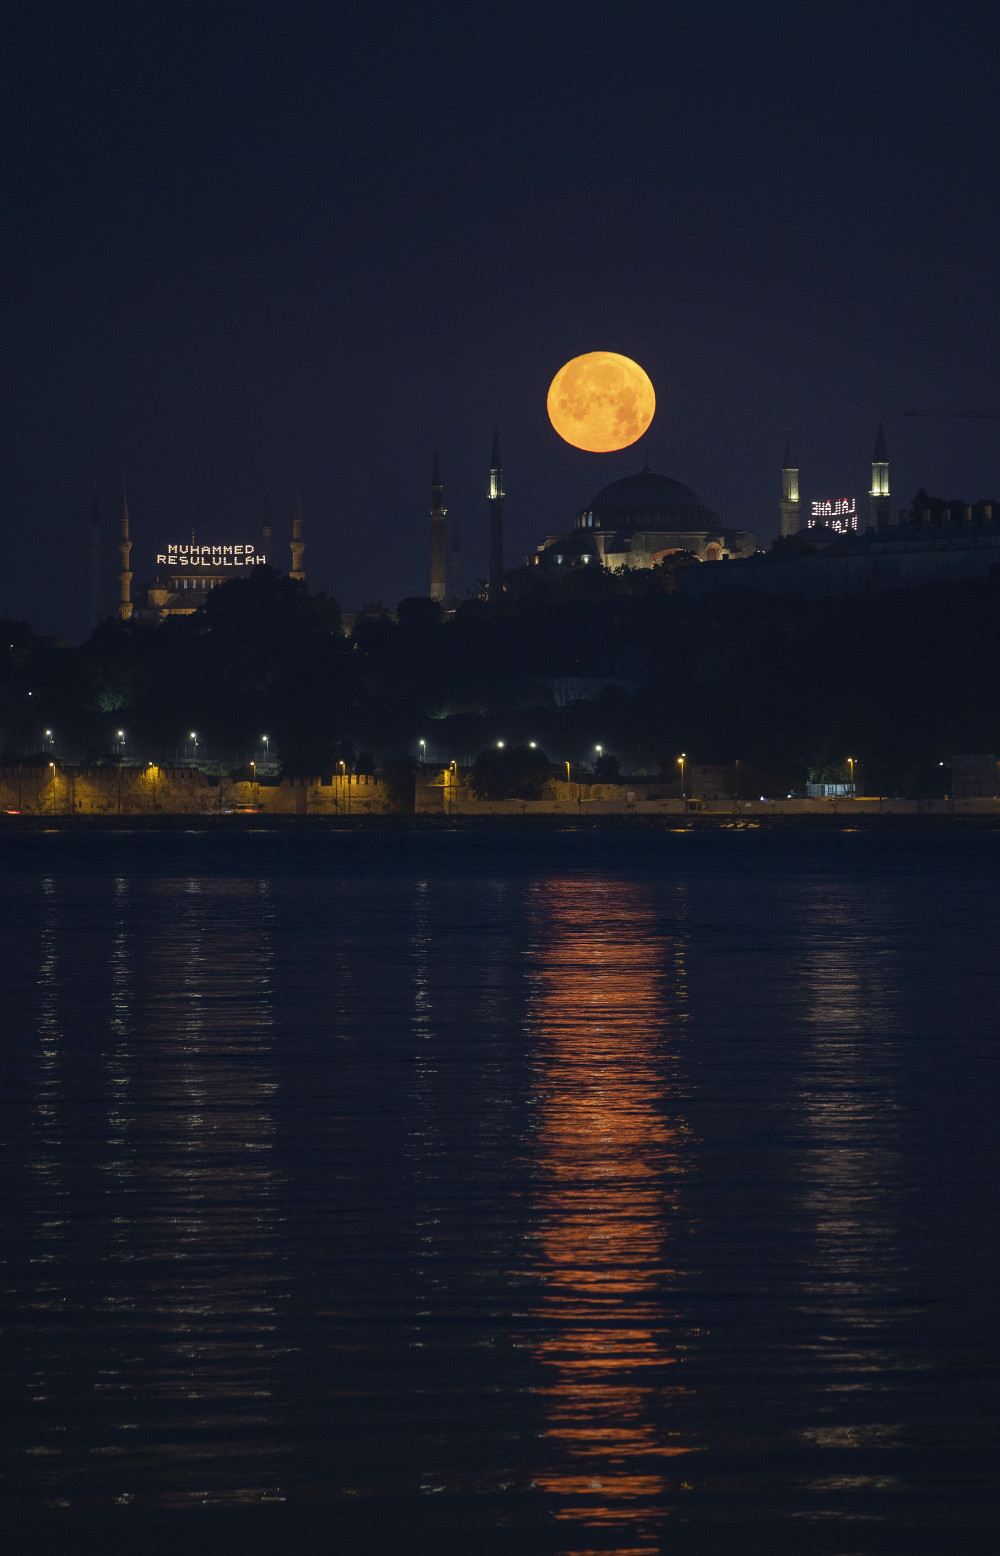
{"points": [[179, 791], [185, 791]]}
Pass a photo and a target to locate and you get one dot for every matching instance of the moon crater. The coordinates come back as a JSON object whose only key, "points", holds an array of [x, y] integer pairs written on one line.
{"points": [[601, 402]]}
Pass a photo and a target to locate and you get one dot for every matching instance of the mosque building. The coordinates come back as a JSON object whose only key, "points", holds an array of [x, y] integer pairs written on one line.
{"points": [[187, 570], [633, 523], [638, 522]]}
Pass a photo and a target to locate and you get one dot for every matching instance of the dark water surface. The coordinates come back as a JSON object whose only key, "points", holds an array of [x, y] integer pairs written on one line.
{"points": [[506, 1192]]}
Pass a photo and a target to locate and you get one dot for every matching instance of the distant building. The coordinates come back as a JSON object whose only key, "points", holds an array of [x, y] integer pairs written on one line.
{"points": [[185, 574], [839, 514], [639, 521], [937, 541], [186, 571]]}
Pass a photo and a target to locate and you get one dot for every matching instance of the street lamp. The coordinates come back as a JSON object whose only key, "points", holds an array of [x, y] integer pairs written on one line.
{"points": [[51, 739], [267, 748], [680, 760], [499, 745], [53, 767], [850, 763], [423, 749], [532, 744], [599, 750]]}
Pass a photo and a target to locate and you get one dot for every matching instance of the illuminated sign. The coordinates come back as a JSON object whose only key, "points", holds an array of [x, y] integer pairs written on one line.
{"points": [[838, 513], [211, 556]]}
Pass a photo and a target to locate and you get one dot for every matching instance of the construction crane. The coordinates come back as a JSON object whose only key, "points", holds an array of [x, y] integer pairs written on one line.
{"points": [[990, 415]]}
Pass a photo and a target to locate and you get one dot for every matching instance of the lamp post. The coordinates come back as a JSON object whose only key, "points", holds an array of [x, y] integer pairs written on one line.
{"points": [[194, 746], [53, 767], [850, 763], [253, 784], [680, 761], [50, 737], [423, 751], [267, 748]]}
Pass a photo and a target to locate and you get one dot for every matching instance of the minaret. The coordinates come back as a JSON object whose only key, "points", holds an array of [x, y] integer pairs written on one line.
{"points": [[439, 588], [456, 578], [95, 562], [790, 506], [265, 528], [879, 494], [125, 552], [494, 577], [297, 571]]}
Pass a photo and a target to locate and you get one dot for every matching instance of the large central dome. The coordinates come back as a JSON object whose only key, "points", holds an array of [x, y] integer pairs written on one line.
{"points": [[639, 522], [646, 501]]}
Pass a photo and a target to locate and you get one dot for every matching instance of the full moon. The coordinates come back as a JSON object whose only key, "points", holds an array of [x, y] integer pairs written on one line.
{"points": [[601, 402]]}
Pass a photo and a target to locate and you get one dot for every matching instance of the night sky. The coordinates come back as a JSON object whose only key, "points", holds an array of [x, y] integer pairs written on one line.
{"points": [[252, 243]]}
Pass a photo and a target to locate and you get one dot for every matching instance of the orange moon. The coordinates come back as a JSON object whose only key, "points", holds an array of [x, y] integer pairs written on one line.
{"points": [[601, 402]]}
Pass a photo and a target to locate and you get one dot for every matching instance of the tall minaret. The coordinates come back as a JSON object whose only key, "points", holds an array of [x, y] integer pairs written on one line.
{"points": [[297, 571], [879, 494], [265, 527], [125, 552], [95, 562], [494, 577], [790, 505], [439, 587]]}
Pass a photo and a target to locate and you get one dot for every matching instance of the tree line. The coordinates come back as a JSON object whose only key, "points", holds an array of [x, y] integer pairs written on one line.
{"points": [[786, 685]]}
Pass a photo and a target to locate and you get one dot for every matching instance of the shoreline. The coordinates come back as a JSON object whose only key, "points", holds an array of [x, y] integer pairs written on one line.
{"points": [[700, 821]]}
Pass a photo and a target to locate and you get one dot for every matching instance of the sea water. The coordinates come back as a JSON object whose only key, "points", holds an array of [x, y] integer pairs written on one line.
{"points": [[503, 1191]]}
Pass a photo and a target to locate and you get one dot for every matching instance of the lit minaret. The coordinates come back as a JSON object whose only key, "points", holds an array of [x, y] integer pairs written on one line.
{"points": [[125, 552], [438, 510], [790, 505], [879, 494], [297, 571], [95, 562], [494, 576]]}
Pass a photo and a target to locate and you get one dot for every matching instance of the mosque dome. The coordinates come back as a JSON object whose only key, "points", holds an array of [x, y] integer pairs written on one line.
{"points": [[647, 501]]}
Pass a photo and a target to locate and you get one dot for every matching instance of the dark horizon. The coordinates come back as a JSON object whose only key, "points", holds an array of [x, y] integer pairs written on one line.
{"points": [[318, 248]]}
